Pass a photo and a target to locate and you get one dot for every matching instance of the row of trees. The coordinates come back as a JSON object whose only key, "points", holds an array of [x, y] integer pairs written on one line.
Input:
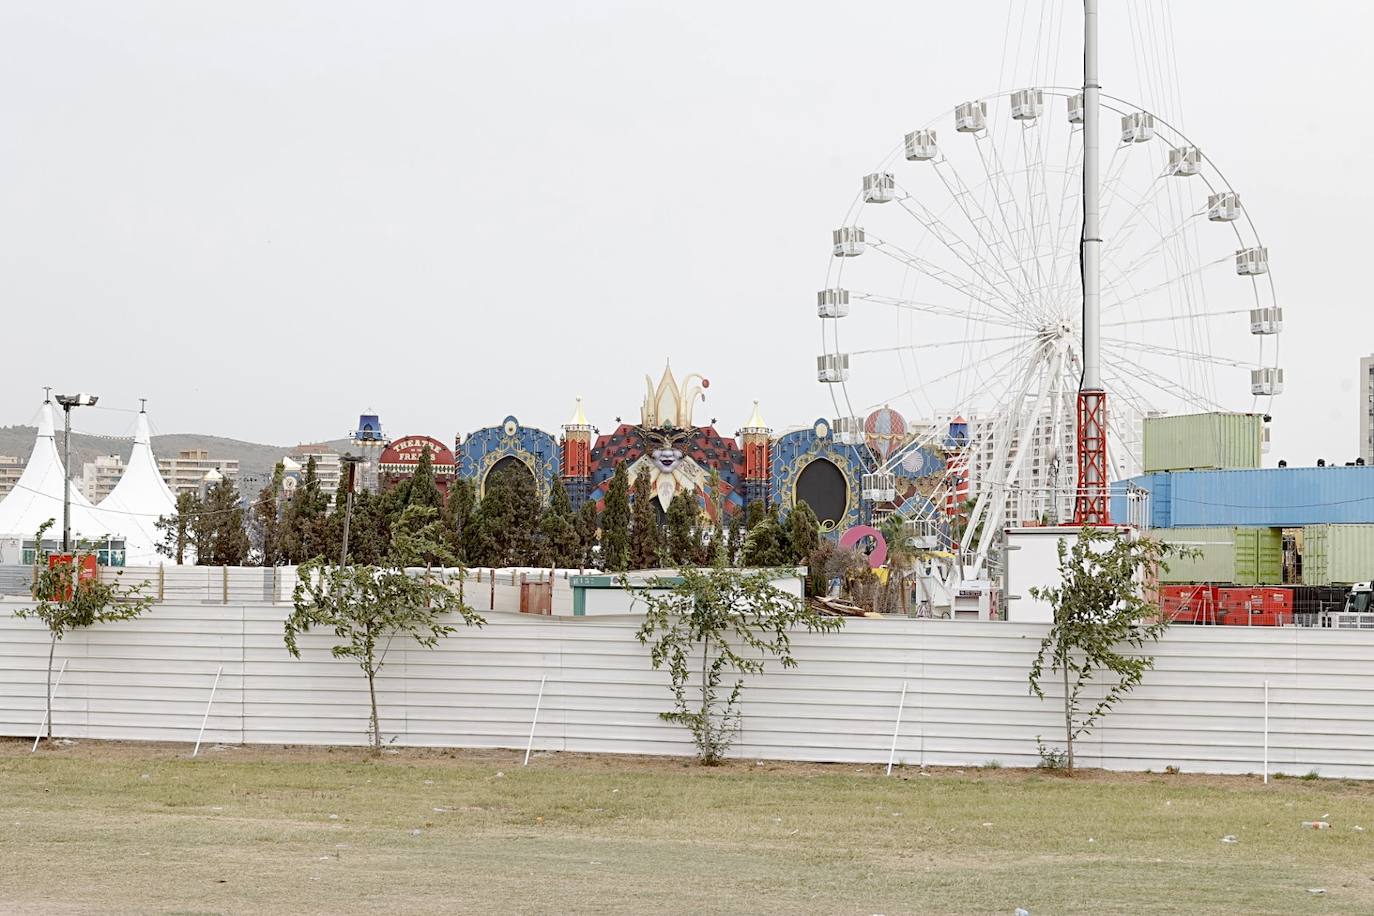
{"points": [[509, 525]]}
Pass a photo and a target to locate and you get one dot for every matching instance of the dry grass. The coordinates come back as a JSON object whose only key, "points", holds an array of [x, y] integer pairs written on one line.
{"points": [[119, 828]]}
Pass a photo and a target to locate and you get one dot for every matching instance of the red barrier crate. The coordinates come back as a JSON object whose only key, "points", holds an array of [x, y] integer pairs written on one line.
{"points": [[1256, 606], [1188, 603]]}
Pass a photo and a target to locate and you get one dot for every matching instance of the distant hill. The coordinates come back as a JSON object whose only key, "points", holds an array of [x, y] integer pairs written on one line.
{"points": [[253, 457]]}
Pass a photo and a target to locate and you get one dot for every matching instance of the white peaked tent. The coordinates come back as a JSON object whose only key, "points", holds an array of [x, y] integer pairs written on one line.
{"points": [[37, 496], [139, 499]]}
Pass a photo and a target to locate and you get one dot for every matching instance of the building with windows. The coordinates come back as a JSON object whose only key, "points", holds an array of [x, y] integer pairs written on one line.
{"points": [[11, 468], [1044, 493], [184, 473], [1367, 409], [250, 484], [101, 476], [328, 467]]}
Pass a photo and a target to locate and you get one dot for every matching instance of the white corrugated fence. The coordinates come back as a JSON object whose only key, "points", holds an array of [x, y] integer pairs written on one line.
{"points": [[1201, 709]]}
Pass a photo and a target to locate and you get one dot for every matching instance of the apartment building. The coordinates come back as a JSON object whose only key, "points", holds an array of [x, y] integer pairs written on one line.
{"points": [[11, 469], [100, 476], [1367, 409], [185, 472], [328, 467]]}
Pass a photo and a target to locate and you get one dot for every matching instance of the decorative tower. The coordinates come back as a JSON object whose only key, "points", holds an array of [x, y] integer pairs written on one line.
{"points": [[577, 457], [957, 472], [756, 439], [369, 439]]}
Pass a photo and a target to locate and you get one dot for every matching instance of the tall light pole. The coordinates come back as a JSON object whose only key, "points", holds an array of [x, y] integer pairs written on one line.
{"points": [[68, 401], [1090, 503], [350, 463]]}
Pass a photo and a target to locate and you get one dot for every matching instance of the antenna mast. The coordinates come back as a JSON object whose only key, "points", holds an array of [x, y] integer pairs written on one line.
{"points": [[1090, 503]]}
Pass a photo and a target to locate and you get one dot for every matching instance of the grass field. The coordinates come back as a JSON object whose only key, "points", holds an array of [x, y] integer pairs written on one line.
{"points": [[123, 828]]}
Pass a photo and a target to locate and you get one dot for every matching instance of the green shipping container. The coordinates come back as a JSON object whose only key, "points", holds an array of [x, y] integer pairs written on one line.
{"points": [[1203, 442], [1227, 556], [1337, 554]]}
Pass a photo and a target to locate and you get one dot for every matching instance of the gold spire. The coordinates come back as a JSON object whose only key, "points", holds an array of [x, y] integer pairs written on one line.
{"points": [[756, 420], [670, 404], [579, 418]]}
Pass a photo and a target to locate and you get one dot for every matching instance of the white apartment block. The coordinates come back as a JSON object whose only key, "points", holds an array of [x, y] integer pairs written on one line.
{"points": [[328, 467], [99, 477], [185, 472], [1044, 489], [1366, 388], [11, 469]]}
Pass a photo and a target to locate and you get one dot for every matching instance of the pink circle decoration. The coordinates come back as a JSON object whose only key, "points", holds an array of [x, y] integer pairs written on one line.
{"points": [[853, 536]]}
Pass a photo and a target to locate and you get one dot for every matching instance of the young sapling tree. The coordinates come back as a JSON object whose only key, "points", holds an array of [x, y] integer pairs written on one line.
{"points": [[717, 625], [1102, 622], [367, 607], [67, 601]]}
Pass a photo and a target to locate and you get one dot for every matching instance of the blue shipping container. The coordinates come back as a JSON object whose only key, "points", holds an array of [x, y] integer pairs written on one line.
{"points": [[1157, 485], [1255, 498]]}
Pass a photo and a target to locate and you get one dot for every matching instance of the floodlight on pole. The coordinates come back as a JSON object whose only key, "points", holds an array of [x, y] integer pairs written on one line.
{"points": [[350, 463], [67, 402]]}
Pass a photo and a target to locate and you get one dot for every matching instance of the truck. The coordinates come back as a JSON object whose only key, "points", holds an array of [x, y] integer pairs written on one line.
{"points": [[1358, 611]]}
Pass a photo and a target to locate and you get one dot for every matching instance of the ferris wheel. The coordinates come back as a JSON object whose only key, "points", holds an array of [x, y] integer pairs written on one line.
{"points": [[953, 294]]}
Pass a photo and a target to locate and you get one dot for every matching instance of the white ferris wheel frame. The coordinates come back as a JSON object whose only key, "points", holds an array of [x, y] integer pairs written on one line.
{"points": [[1055, 353]]}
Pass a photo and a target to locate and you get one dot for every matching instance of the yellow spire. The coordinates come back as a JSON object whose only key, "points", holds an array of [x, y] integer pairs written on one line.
{"points": [[756, 420], [578, 418]]}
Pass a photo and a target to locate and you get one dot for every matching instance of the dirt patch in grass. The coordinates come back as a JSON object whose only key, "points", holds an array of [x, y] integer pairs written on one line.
{"points": [[99, 827]]}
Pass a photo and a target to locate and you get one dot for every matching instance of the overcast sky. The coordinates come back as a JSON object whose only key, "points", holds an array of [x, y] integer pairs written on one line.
{"points": [[266, 217]]}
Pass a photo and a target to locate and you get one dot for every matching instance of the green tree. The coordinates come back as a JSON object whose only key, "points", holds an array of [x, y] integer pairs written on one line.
{"points": [[958, 523], [458, 517], [333, 523], [558, 539], [766, 543], [264, 524], [754, 513], [734, 540], [303, 521], [368, 607], [374, 516], [418, 538], [901, 560], [829, 562], [65, 601], [1100, 615], [803, 532], [615, 522], [647, 549], [586, 535], [715, 493], [507, 520], [176, 529], [423, 490], [218, 530], [716, 625], [683, 542]]}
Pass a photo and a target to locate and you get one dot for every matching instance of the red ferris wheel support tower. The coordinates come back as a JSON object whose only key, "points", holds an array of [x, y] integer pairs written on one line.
{"points": [[1091, 506]]}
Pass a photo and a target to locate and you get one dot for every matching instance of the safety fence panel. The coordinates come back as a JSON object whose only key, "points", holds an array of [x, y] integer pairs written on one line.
{"points": [[960, 686]]}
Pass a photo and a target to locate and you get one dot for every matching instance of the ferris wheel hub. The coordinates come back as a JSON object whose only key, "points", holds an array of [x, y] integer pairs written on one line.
{"points": [[1061, 333]]}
